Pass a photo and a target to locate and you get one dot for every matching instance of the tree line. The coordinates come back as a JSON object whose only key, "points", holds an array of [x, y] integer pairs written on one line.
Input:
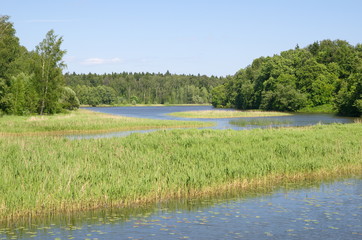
{"points": [[32, 81], [147, 88], [323, 73]]}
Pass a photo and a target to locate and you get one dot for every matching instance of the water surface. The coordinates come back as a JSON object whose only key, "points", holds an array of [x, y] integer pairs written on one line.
{"points": [[330, 210], [160, 113]]}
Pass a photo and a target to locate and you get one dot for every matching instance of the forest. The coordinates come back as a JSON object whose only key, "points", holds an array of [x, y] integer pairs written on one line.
{"points": [[146, 88], [324, 74], [32, 81]]}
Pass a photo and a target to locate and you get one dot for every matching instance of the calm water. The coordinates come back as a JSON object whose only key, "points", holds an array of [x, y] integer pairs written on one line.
{"points": [[223, 123], [320, 211]]}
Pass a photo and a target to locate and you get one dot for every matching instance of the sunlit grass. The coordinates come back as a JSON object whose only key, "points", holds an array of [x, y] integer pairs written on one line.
{"points": [[226, 114], [260, 122], [45, 173], [326, 108], [83, 121]]}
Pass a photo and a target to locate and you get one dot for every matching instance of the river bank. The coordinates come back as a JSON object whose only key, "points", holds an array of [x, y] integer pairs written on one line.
{"points": [[83, 121]]}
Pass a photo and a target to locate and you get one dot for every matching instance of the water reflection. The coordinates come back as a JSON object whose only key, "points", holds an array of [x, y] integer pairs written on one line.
{"points": [[321, 210]]}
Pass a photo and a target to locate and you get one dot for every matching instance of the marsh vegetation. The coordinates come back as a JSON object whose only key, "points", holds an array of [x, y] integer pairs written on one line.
{"points": [[83, 121], [227, 114], [42, 174], [260, 122]]}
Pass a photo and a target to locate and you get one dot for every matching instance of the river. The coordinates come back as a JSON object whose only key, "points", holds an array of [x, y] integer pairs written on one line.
{"points": [[160, 113]]}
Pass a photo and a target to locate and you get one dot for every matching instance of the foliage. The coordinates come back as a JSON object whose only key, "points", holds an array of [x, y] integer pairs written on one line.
{"points": [[9, 52], [146, 88], [30, 82], [325, 108], [69, 99], [22, 97], [48, 72], [323, 73]]}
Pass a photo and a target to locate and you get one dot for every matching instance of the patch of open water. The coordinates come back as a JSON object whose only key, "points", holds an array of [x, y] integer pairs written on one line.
{"points": [[160, 113]]}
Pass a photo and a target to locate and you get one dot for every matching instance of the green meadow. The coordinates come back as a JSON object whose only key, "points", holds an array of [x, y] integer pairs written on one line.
{"points": [[44, 174]]}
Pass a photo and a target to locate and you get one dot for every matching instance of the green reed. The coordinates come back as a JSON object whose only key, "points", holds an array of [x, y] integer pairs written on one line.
{"points": [[227, 114], [41, 174], [260, 122]]}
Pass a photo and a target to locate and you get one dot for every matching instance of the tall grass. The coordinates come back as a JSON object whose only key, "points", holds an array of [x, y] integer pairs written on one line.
{"points": [[260, 122], [226, 114], [45, 174], [83, 121]]}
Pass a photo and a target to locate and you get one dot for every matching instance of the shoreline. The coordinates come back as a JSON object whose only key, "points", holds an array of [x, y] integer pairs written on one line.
{"points": [[237, 186], [210, 114], [145, 105], [84, 121]]}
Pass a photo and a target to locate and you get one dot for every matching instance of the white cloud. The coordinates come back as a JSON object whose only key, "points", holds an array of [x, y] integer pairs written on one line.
{"points": [[100, 61]]}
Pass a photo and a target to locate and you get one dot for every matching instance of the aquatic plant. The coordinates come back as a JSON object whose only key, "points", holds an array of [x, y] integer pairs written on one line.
{"points": [[260, 122], [42, 174], [227, 114]]}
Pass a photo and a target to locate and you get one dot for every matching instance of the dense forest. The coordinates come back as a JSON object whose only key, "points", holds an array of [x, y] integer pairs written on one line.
{"points": [[32, 81], [323, 73], [147, 88]]}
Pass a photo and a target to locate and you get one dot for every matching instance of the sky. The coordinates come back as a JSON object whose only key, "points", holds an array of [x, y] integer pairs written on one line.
{"points": [[214, 37]]}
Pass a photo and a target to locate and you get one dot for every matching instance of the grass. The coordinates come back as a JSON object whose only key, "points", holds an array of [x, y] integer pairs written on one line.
{"points": [[260, 122], [44, 174], [226, 114], [82, 121], [326, 108]]}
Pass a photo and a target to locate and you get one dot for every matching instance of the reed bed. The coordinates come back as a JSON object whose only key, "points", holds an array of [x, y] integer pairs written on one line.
{"points": [[227, 114], [260, 122], [83, 121], [51, 174]]}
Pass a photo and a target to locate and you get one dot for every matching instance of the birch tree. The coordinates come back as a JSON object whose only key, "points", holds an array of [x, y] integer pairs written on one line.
{"points": [[50, 79]]}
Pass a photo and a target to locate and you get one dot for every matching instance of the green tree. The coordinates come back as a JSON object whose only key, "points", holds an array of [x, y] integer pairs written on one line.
{"points": [[219, 98], [16, 95], [349, 99], [49, 72], [9, 52], [9, 48], [69, 99], [283, 98]]}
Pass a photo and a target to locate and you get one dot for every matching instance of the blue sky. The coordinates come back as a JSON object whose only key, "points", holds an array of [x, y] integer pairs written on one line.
{"points": [[182, 36]]}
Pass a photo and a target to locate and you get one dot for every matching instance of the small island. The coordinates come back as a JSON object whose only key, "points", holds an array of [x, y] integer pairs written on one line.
{"points": [[228, 114]]}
